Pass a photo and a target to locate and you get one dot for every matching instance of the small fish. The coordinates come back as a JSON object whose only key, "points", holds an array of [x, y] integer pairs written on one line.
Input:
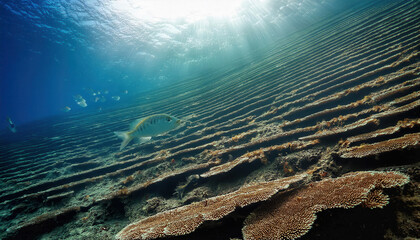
{"points": [[66, 109], [11, 126], [116, 98], [147, 127], [82, 103], [80, 100], [125, 91]]}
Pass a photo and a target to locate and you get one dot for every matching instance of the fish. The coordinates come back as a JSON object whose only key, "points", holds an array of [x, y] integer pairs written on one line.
{"points": [[148, 127], [116, 98], [11, 126], [80, 100], [66, 109], [82, 103]]}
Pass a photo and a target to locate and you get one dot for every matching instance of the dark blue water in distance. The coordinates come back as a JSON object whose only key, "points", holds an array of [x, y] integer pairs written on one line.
{"points": [[109, 51]]}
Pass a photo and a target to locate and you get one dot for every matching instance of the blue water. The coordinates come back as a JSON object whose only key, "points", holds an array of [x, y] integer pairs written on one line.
{"points": [[52, 51]]}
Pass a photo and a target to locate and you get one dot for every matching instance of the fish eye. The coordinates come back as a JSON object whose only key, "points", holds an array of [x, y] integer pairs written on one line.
{"points": [[168, 119]]}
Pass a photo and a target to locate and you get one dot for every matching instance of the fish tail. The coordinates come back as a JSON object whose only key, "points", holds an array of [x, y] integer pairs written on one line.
{"points": [[126, 137]]}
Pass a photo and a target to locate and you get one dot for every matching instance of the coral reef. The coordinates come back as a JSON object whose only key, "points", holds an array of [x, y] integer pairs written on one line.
{"points": [[406, 141], [291, 215], [186, 219], [257, 154], [402, 124], [371, 120]]}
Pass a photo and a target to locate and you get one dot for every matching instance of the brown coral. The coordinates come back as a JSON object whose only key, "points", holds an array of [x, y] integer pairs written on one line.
{"points": [[257, 154], [402, 124], [186, 219], [408, 140], [375, 199], [238, 137], [371, 120], [292, 214]]}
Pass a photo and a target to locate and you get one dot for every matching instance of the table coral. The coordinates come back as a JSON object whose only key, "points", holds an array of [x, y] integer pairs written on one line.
{"points": [[291, 215], [186, 219]]}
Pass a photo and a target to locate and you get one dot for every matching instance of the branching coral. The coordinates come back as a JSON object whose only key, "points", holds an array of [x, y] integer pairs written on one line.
{"points": [[291, 215], [186, 219]]}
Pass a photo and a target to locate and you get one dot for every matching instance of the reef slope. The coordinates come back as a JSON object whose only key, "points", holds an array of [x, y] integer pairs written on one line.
{"points": [[340, 97]]}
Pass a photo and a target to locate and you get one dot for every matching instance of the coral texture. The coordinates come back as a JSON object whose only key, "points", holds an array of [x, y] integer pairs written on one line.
{"points": [[402, 124], [186, 219], [408, 140], [257, 154], [291, 215]]}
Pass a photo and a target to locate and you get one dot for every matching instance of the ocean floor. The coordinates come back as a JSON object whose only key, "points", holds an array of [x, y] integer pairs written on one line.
{"points": [[319, 139]]}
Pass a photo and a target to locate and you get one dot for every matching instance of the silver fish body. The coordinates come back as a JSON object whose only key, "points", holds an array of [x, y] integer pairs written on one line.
{"points": [[147, 127]]}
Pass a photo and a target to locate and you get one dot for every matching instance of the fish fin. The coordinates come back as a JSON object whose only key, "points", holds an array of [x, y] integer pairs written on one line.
{"points": [[144, 139], [126, 137], [135, 123], [13, 130]]}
